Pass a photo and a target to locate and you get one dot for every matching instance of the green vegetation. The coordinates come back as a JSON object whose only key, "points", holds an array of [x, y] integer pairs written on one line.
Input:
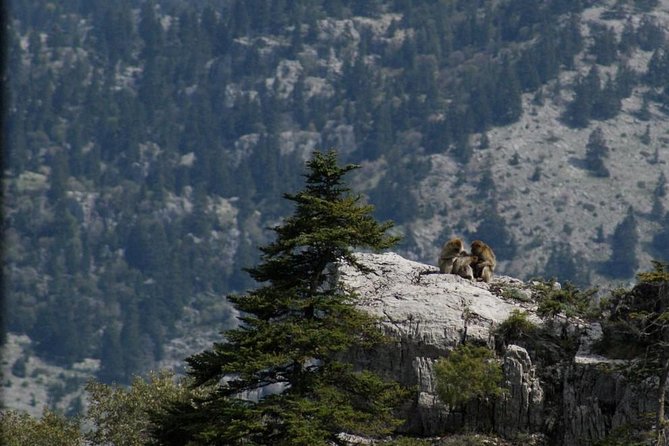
{"points": [[279, 379], [121, 416], [516, 327], [116, 415], [468, 372], [20, 429], [566, 300], [516, 294]]}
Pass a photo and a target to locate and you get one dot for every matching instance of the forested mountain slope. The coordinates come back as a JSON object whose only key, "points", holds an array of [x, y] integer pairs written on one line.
{"points": [[148, 143]]}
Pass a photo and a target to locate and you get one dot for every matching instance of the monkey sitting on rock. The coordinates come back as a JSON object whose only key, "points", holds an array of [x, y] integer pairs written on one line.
{"points": [[486, 261], [479, 264], [449, 252]]}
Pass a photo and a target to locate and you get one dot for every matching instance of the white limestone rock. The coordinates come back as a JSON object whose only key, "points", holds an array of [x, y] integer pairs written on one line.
{"points": [[417, 303]]}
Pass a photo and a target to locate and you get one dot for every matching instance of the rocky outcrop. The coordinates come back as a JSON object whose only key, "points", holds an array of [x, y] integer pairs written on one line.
{"points": [[571, 402]]}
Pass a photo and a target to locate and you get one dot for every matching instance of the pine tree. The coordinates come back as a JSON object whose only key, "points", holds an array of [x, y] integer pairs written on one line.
{"points": [[563, 265], [493, 227], [278, 379], [650, 34], [660, 243], [627, 38], [607, 104], [507, 103], [605, 46], [595, 151], [660, 191], [112, 368], [623, 261], [586, 90]]}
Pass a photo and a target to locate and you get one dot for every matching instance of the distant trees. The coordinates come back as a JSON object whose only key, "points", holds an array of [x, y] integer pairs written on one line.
{"points": [[578, 111], [592, 101], [493, 227]]}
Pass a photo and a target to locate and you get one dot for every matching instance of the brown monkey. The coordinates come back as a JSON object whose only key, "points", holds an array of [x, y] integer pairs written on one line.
{"points": [[486, 262], [449, 252], [462, 265]]}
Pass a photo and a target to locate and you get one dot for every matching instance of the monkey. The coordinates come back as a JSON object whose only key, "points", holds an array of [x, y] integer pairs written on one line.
{"points": [[486, 261], [449, 252], [462, 265]]}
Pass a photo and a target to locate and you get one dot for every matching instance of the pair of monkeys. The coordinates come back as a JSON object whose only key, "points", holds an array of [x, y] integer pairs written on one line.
{"points": [[479, 264]]}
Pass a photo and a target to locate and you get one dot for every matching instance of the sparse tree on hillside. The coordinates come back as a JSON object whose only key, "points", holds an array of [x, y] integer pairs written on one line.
{"points": [[657, 73], [595, 152], [278, 379], [493, 227], [605, 46], [607, 104], [660, 244], [627, 37], [564, 265], [623, 261], [650, 34], [579, 109]]}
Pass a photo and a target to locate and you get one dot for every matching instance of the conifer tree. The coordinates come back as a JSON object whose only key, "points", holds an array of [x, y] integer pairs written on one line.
{"points": [[278, 379], [595, 152], [660, 191], [623, 261], [605, 46], [564, 265]]}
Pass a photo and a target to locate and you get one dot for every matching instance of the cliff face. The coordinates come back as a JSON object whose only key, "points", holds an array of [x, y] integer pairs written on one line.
{"points": [[568, 395]]}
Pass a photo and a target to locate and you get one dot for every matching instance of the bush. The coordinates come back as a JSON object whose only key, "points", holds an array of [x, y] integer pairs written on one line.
{"points": [[567, 300], [517, 326], [515, 294], [468, 372]]}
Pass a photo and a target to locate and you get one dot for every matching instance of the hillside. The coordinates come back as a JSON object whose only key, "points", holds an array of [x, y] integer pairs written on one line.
{"points": [[149, 143], [566, 205]]}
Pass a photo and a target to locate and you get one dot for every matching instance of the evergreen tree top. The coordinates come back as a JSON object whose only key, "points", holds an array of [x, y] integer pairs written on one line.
{"points": [[329, 221]]}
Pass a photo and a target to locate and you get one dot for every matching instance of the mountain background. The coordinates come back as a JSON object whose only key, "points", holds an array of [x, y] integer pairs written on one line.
{"points": [[148, 144]]}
